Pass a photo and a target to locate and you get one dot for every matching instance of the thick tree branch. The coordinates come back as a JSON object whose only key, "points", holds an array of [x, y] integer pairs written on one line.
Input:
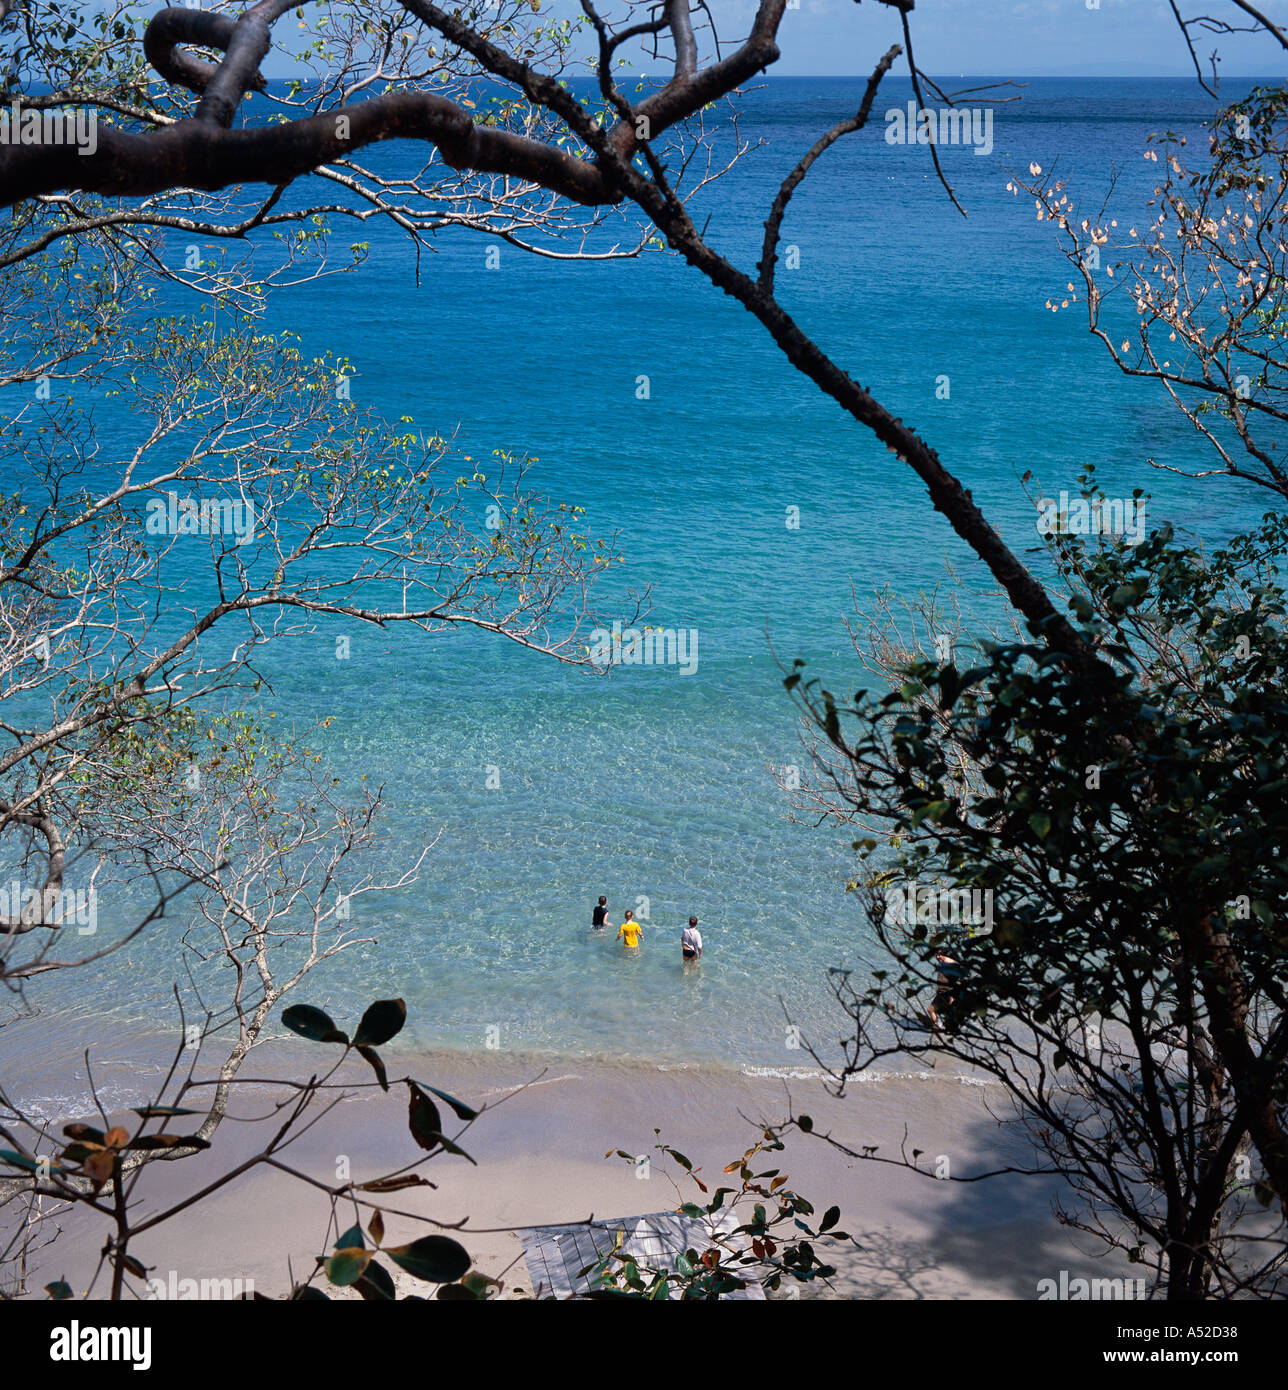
{"points": [[248, 46], [1225, 992], [204, 152], [170, 28], [686, 48], [39, 912], [196, 154]]}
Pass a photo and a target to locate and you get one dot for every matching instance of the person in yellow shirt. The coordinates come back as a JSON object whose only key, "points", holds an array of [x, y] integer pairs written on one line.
{"points": [[630, 931]]}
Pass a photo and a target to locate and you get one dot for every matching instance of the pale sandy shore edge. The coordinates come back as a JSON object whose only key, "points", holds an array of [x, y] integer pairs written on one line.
{"points": [[540, 1147]]}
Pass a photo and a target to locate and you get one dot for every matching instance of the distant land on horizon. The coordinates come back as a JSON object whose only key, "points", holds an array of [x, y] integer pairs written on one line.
{"points": [[1123, 70]]}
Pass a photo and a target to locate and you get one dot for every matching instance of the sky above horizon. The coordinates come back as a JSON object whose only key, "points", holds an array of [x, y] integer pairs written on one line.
{"points": [[1001, 37], [975, 37], [1020, 36]]}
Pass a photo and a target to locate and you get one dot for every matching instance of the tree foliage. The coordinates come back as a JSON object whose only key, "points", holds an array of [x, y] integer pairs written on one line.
{"points": [[1126, 824]]}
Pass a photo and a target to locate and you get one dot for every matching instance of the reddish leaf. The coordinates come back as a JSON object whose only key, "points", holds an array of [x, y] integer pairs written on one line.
{"points": [[396, 1184], [169, 1141], [99, 1166], [377, 1065]]}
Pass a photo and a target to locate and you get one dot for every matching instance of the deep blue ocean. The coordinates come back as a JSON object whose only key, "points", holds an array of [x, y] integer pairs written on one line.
{"points": [[651, 786]]}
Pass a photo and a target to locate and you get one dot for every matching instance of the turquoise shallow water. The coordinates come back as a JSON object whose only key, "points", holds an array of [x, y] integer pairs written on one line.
{"points": [[651, 784]]}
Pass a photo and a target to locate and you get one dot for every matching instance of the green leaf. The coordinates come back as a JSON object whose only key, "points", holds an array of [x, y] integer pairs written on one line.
{"points": [[312, 1023], [458, 1107], [17, 1160], [437, 1259], [377, 1284], [156, 1112], [830, 1217], [689, 1209], [382, 1021], [1081, 607], [1040, 823], [1126, 595], [479, 1284], [306, 1293], [347, 1266], [59, 1290], [454, 1148], [351, 1239], [456, 1293]]}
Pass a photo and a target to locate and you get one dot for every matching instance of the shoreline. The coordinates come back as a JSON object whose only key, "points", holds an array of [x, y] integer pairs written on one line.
{"points": [[136, 1060]]}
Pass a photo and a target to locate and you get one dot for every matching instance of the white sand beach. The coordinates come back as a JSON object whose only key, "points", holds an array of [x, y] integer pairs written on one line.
{"points": [[540, 1155]]}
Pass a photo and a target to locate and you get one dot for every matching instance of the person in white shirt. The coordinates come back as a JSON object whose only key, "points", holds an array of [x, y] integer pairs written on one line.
{"points": [[691, 940]]}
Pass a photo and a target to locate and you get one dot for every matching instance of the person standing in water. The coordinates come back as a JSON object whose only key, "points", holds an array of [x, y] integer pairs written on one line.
{"points": [[947, 969], [630, 931], [691, 942], [599, 915]]}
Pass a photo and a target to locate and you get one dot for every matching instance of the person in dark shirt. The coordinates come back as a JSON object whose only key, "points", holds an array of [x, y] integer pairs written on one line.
{"points": [[599, 916]]}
